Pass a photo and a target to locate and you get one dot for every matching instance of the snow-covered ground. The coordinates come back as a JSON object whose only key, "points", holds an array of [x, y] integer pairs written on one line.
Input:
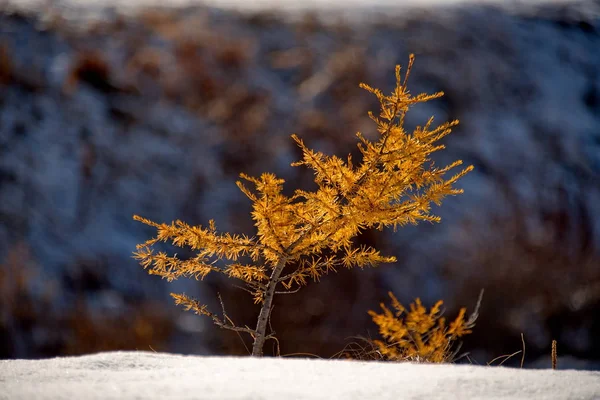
{"points": [[289, 4], [349, 8], [144, 375]]}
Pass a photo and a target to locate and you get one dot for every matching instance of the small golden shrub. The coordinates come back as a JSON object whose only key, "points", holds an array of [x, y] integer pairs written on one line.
{"points": [[301, 237], [418, 334]]}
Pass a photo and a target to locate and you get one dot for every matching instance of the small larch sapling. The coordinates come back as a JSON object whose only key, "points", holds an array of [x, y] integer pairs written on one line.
{"points": [[310, 233]]}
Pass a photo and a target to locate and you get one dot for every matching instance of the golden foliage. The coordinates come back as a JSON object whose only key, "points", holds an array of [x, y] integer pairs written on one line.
{"points": [[418, 334], [301, 237]]}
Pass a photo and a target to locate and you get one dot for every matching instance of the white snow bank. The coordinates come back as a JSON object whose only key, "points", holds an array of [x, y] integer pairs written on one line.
{"points": [[144, 375], [282, 5], [290, 4]]}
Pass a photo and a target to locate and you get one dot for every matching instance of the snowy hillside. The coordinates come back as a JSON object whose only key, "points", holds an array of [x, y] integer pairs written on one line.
{"points": [[142, 375]]}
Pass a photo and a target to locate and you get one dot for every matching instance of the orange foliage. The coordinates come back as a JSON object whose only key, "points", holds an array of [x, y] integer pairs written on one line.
{"points": [[418, 334], [303, 236]]}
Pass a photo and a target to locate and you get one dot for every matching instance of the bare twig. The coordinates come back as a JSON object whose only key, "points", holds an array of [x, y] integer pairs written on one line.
{"points": [[471, 361], [463, 355], [271, 331], [360, 349], [225, 317], [452, 356], [276, 349], [245, 289], [227, 323], [506, 358], [224, 325], [523, 355], [286, 277], [289, 291], [475, 314], [244, 343]]}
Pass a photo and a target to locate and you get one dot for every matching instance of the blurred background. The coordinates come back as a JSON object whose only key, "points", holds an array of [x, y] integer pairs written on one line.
{"points": [[109, 109]]}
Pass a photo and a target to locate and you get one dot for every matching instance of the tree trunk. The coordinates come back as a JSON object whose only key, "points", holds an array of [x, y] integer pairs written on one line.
{"points": [[265, 311]]}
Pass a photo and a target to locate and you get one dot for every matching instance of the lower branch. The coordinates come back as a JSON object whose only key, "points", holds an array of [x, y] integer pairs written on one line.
{"points": [[231, 327], [201, 309]]}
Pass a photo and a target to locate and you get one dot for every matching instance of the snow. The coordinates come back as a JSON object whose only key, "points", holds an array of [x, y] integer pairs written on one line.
{"points": [[348, 8], [290, 4], [146, 375]]}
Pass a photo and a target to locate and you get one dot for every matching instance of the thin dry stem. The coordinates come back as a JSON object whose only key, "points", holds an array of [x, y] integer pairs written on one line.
{"points": [[554, 355], [523, 354]]}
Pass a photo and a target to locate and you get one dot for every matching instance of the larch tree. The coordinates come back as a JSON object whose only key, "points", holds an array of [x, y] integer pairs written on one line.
{"points": [[311, 233]]}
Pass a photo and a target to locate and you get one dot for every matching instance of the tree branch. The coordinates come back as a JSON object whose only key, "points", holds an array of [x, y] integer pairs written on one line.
{"points": [[289, 291], [227, 323]]}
